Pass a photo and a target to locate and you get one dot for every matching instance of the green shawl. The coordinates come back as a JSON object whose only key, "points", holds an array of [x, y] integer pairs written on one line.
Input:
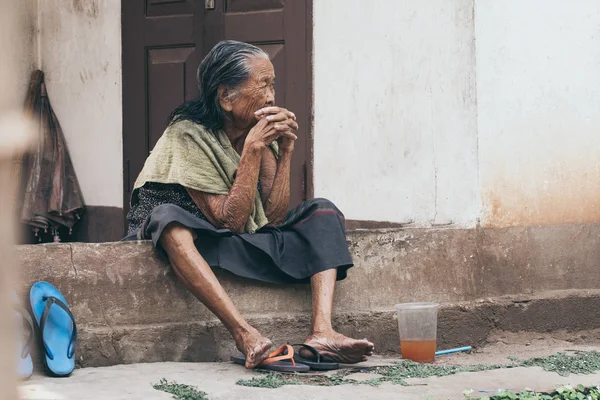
{"points": [[196, 158]]}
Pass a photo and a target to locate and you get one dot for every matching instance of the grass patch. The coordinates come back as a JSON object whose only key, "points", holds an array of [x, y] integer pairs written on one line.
{"points": [[399, 372], [581, 362], [272, 380], [395, 374], [180, 391], [567, 392]]}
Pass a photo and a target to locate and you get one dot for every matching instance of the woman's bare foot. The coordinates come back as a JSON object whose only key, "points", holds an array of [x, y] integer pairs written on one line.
{"points": [[253, 345], [334, 346]]}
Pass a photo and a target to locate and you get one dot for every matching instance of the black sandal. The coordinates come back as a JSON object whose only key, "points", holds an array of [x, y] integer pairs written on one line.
{"points": [[317, 365]]}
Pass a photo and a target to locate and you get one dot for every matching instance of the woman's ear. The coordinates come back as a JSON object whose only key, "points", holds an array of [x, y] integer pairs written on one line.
{"points": [[225, 98]]}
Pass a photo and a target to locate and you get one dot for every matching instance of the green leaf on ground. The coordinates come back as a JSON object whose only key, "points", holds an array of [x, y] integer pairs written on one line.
{"points": [[566, 392], [399, 372], [272, 381], [581, 362], [180, 391]]}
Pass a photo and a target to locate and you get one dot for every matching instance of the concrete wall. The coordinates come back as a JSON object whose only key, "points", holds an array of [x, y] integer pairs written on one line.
{"points": [[454, 110], [438, 112], [394, 102], [538, 90], [81, 56], [18, 47]]}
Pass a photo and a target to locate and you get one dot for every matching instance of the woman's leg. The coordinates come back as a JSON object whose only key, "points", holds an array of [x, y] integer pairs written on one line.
{"points": [[322, 337], [196, 274]]}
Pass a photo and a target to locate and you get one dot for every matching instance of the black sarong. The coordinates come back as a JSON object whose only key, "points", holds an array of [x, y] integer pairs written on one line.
{"points": [[311, 240]]}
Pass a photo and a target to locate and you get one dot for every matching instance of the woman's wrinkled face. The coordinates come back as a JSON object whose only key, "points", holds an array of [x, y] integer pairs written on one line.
{"points": [[257, 92]]}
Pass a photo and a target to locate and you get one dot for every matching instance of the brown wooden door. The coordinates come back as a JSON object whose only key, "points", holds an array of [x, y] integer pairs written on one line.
{"points": [[163, 44]]}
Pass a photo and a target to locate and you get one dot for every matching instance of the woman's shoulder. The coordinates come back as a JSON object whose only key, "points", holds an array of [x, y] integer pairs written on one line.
{"points": [[190, 130], [185, 126]]}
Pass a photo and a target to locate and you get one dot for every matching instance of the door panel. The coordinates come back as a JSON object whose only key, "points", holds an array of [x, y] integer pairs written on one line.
{"points": [[253, 5], [277, 57], [243, 26], [170, 31], [159, 52], [159, 8], [163, 44], [166, 86]]}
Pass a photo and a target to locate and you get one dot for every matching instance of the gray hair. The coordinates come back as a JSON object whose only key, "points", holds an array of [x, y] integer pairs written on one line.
{"points": [[227, 64]]}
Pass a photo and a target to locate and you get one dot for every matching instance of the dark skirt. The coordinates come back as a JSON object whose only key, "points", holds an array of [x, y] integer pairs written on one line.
{"points": [[311, 240]]}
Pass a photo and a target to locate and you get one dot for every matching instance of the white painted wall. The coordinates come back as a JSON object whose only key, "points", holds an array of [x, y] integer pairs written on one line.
{"points": [[538, 90], [432, 112], [17, 47], [394, 103], [422, 114], [81, 57]]}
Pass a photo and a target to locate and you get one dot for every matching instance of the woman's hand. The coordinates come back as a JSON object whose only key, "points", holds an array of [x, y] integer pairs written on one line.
{"points": [[283, 122], [262, 135]]}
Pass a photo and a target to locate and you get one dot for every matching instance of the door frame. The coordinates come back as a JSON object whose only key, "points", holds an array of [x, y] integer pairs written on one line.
{"points": [[310, 143], [132, 106]]}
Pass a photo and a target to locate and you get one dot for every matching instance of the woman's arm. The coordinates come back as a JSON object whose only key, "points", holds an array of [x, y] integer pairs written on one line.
{"points": [[276, 173], [231, 211], [268, 169], [278, 200]]}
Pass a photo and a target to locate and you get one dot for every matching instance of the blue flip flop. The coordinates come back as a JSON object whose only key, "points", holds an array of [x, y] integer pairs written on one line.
{"points": [[58, 331], [25, 339]]}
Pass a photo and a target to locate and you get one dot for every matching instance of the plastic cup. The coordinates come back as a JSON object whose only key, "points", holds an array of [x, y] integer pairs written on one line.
{"points": [[417, 324]]}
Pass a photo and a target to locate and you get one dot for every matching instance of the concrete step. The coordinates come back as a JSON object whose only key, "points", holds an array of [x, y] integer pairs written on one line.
{"points": [[131, 308]]}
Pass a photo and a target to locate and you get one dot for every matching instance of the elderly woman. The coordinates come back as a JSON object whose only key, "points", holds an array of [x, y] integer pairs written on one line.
{"points": [[214, 193]]}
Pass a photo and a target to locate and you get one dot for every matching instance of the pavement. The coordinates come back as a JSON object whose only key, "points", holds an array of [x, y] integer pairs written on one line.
{"points": [[218, 380]]}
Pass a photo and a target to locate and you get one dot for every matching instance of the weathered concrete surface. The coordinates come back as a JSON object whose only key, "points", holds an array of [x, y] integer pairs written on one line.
{"points": [[125, 382], [218, 379], [538, 140], [459, 325], [131, 308]]}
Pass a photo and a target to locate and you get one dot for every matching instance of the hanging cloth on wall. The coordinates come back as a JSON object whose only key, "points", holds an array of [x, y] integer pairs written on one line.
{"points": [[51, 195]]}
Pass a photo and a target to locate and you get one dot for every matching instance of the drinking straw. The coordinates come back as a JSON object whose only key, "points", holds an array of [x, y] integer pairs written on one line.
{"points": [[449, 351]]}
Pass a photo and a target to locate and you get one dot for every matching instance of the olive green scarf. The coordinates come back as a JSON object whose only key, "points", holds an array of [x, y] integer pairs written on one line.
{"points": [[196, 158]]}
